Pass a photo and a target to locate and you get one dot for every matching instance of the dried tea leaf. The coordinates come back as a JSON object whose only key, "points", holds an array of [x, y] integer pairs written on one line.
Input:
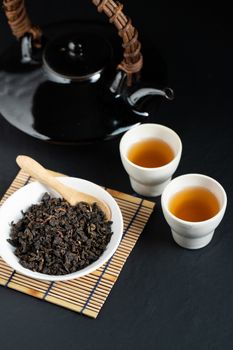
{"points": [[56, 238]]}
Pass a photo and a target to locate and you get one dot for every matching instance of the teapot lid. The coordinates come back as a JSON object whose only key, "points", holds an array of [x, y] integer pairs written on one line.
{"points": [[77, 57]]}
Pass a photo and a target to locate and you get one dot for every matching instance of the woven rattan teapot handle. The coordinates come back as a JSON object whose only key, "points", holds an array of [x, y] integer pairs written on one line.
{"points": [[132, 62]]}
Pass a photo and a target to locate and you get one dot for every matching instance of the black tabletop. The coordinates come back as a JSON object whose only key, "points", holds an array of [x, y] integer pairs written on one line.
{"points": [[166, 297]]}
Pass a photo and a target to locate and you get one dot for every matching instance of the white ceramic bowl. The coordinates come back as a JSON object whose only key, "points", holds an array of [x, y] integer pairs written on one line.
{"points": [[32, 194]]}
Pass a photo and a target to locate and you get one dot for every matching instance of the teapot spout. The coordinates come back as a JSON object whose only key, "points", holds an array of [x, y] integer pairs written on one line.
{"points": [[140, 95], [141, 101]]}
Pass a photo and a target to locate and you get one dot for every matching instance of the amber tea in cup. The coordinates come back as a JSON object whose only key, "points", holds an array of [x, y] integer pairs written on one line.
{"points": [[194, 204], [150, 153]]}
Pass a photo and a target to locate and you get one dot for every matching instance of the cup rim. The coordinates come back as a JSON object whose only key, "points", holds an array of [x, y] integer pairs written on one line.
{"points": [[155, 168], [195, 223]]}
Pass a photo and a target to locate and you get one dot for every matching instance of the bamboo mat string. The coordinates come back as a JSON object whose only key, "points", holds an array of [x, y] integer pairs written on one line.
{"points": [[10, 278], [48, 290], [109, 261]]}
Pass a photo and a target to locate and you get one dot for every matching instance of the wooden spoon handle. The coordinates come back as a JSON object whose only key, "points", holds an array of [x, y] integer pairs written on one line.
{"points": [[38, 172]]}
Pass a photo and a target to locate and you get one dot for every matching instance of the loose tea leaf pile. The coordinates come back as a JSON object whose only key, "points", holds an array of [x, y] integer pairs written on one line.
{"points": [[56, 238]]}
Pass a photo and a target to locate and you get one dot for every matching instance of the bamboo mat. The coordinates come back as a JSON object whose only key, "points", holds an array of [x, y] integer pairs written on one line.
{"points": [[87, 294]]}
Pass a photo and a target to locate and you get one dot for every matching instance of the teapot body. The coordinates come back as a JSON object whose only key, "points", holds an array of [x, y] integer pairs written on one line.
{"points": [[80, 111], [63, 113], [56, 109]]}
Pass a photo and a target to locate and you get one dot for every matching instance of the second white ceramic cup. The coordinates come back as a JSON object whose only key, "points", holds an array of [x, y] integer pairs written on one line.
{"points": [[150, 181], [193, 235]]}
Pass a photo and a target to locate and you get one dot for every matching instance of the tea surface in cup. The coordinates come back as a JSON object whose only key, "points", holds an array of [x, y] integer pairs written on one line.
{"points": [[194, 204], [150, 153], [149, 176]]}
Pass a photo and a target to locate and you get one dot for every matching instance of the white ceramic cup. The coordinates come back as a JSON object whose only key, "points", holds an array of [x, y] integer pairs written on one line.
{"points": [[193, 235], [150, 181]]}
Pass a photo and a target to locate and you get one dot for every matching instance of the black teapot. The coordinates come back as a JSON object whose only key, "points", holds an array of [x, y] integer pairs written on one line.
{"points": [[65, 85]]}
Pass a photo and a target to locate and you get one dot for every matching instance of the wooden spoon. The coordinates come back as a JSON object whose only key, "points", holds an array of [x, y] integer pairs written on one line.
{"points": [[38, 172]]}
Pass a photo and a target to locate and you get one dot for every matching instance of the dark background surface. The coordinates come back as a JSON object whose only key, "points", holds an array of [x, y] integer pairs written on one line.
{"points": [[166, 297]]}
